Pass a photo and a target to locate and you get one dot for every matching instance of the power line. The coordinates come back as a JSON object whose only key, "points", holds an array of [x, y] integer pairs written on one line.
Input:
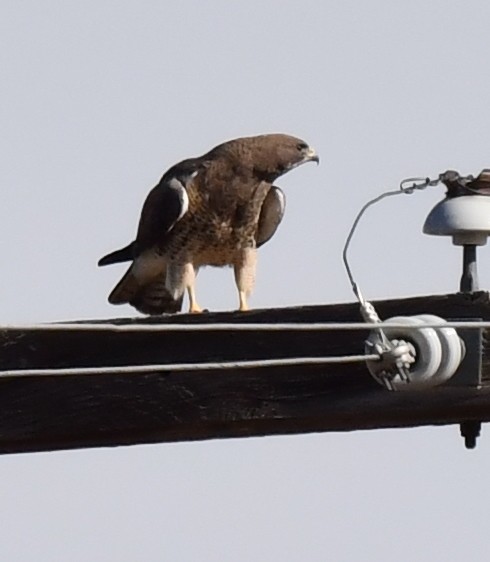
{"points": [[140, 369], [240, 327]]}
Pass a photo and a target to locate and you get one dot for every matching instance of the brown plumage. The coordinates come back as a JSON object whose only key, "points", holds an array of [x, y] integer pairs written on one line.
{"points": [[213, 210]]}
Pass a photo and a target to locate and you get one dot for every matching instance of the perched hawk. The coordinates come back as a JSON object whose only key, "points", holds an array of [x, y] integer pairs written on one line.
{"points": [[213, 210]]}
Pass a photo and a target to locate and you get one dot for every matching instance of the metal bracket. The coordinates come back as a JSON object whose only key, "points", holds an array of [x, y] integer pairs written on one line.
{"points": [[469, 371]]}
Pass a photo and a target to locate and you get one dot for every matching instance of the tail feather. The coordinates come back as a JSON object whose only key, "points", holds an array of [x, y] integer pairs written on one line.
{"points": [[151, 298], [125, 290], [155, 299], [124, 254]]}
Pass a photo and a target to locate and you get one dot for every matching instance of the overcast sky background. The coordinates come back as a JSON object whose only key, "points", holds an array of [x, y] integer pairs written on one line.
{"points": [[98, 98]]}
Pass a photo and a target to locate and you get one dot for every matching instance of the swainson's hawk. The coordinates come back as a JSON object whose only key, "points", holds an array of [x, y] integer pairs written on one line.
{"points": [[213, 210]]}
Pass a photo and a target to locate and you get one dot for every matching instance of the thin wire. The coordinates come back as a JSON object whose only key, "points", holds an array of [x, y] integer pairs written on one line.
{"points": [[239, 327], [141, 369], [416, 184], [355, 287]]}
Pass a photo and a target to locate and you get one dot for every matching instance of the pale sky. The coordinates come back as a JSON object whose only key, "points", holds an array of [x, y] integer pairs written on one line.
{"points": [[98, 98]]}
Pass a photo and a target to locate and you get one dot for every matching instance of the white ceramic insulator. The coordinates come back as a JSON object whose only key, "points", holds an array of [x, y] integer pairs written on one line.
{"points": [[428, 352], [452, 350], [439, 352]]}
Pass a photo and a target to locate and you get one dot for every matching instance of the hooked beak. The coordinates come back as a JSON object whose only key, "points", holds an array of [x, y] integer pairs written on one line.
{"points": [[312, 156]]}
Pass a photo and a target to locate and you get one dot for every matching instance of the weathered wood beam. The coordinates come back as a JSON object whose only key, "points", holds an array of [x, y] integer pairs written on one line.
{"points": [[47, 413]]}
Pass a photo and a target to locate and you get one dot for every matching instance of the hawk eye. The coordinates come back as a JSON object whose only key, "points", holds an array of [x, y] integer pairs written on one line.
{"points": [[301, 146]]}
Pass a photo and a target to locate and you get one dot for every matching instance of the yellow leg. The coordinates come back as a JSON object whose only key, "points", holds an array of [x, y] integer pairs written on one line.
{"points": [[193, 306]]}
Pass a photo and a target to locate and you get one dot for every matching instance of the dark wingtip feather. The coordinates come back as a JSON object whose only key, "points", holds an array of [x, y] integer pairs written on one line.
{"points": [[118, 256]]}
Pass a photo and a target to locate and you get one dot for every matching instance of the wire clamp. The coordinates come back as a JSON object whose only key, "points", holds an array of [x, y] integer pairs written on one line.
{"points": [[395, 359]]}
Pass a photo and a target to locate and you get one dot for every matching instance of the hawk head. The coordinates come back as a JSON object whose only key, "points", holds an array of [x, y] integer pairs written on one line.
{"points": [[274, 155]]}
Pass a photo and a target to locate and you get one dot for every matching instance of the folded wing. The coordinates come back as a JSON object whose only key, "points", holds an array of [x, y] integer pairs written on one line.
{"points": [[271, 215], [143, 285]]}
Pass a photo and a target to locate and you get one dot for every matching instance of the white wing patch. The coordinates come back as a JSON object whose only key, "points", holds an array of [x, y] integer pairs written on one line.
{"points": [[282, 201], [181, 191]]}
